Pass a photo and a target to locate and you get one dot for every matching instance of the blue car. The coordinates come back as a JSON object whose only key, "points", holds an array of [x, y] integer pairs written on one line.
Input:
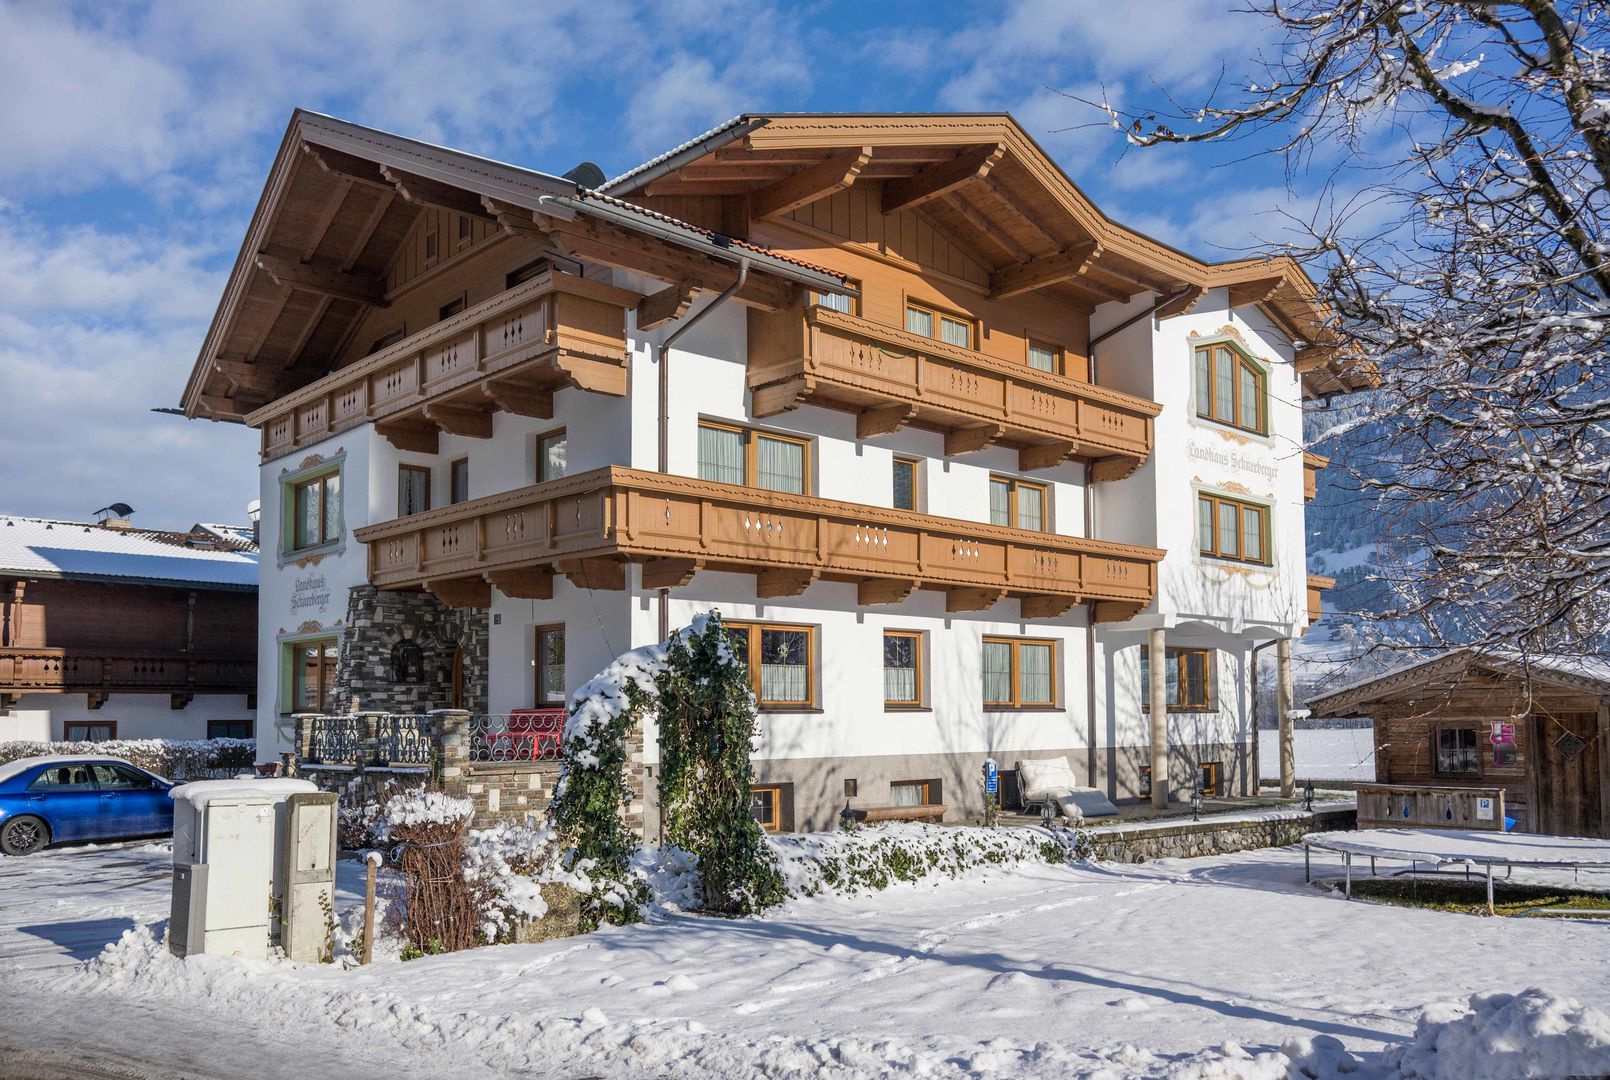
{"points": [[48, 800]]}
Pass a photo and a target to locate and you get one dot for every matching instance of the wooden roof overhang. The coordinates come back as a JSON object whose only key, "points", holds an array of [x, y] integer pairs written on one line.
{"points": [[984, 181], [341, 198], [1441, 675]]}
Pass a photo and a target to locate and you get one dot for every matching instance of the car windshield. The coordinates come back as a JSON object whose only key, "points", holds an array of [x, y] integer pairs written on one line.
{"points": [[63, 778]]}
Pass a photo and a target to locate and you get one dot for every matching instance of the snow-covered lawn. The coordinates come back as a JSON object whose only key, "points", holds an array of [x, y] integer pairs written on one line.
{"points": [[1180, 968], [1322, 753]]}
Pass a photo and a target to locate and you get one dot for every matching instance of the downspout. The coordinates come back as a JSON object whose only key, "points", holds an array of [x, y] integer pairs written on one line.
{"points": [[665, 403], [1255, 785]]}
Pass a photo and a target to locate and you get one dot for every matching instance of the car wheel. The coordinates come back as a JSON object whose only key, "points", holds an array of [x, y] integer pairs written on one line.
{"points": [[24, 836]]}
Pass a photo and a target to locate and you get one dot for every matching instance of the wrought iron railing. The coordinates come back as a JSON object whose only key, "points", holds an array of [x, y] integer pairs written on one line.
{"points": [[520, 736], [334, 740], [404, 739]]}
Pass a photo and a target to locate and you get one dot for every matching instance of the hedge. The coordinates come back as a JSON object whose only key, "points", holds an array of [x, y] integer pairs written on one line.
{"points": [[177, 759]]}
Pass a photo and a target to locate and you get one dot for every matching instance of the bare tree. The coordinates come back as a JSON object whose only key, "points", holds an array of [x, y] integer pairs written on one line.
{"points": [[1464, 253]]}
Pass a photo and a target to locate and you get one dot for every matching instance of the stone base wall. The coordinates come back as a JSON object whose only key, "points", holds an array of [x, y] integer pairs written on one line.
{"points": [[397, 652], [518, 791], [1196, 838]]}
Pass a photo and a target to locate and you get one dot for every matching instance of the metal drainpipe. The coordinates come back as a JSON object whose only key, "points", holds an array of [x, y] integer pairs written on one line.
{"points": [[1256, 784], [665, 403]]}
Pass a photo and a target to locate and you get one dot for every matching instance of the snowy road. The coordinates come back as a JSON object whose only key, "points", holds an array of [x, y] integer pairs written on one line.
{"points": [[1032, 972]]}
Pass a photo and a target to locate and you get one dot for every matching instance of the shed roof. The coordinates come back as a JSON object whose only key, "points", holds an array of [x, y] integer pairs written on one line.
{"points": [[1589, 674], [77, 550]]}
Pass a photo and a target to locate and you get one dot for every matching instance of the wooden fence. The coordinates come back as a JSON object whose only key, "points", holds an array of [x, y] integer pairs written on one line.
{"points": [[1406, 806]]}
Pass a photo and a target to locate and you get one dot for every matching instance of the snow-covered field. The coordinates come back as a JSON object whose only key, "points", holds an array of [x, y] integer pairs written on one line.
{"points": [[1322, 753], [1200, 968]]}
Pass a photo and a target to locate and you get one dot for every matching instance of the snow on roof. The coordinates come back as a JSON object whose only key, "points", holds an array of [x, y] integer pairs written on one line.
{"points": [[76, 549], [1585, 671]]}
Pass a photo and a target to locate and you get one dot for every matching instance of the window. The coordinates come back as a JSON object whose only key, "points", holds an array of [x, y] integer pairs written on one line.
{"points": [[785, 675], [458, 481], [911, 793], [229, 729], [316, 511], [835, 301], [905, 483], [120, 778], [931, 323], [538, 267], [312, 665], [1207, 778], [766, 804], [550, 663], [1189, 676], [1231, 529], [64, 778], [463, 228], [1020, 504], [1018, 672], [1230, 389], [451, 308], [386, 341], [902, 668], [1458, 753], [550, 456], [730, 455], [413, 490], [430, 245], [89, 730], [1045, 357]]}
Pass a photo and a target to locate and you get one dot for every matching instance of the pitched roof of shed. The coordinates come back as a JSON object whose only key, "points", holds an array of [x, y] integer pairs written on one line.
{"points": [[1585, 673]]}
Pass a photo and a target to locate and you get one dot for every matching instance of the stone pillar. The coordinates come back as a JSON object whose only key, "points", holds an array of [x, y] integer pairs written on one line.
{"points": [[1285, 702], [451, 728], [304, 735], [1157, 655]]}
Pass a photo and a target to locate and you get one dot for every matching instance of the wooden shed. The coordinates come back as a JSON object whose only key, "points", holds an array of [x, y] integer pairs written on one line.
{"points": [[1537, 726]]}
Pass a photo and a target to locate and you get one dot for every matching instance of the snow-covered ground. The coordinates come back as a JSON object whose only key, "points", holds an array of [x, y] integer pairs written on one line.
{"points": [[1199, 968], [1322, 753]]}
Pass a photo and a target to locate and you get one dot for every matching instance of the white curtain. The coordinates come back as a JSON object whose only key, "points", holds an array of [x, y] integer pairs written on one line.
{"points": [[1204, 524], [783, 682], [307, 515], [721, 455], [919, 321], [780, 465], [1252, 534], [997, 671], [834, 302], [1030, 508], [1228, 533], [905, 794], [952, 332], [1034, 674], [1204, 382], [1224, 385], [900, 684], [1000, 502], [1249, 399], [1042, 358], [331, 514]]}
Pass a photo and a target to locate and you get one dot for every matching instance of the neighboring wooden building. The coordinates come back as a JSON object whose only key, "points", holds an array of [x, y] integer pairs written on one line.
{"points": [[112, 632], [1536, 727]]}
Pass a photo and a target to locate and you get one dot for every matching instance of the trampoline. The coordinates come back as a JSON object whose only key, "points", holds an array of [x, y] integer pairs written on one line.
{"points": [[1458, 847]]}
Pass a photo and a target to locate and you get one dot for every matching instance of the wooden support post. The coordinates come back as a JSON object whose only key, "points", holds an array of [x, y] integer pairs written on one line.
{"points": [[1157, 659], [1284, 704], [371, 863]]}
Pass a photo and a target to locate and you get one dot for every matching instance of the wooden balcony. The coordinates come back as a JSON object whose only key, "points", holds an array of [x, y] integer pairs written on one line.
{"points": [[1316, 591], [588, 527], [1312, 463], [890, 378], [77, 671], [511, 353]]}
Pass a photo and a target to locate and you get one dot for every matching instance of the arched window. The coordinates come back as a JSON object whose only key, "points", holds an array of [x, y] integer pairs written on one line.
{"points": [[1231, 388]]}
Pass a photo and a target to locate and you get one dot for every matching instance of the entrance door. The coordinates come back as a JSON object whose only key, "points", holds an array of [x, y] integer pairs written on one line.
{"points": [[1565, 764]]}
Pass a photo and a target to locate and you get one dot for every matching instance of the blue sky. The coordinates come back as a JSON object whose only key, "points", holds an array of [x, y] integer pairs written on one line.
{"points": [[138, 138]]}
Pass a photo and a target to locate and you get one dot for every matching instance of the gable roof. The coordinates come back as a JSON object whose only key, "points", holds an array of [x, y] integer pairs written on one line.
{"points": [[339, 201], [991, 183], [77, 550], [1588, 674]]}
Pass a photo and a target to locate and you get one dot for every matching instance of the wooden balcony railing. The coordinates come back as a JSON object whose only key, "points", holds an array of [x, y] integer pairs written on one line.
{"points": [[1316, 591], [67, 671], [890, 378], [588, 527], [511, 353]]}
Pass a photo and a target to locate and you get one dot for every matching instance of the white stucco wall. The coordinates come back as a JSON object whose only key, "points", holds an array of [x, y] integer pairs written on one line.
{"points": [[137, 716]]}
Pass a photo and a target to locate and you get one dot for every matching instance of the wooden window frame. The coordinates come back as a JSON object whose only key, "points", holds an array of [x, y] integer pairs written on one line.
{"points": [[921, 700], [1215, 772], [1058, 353], [387, 340], [916, 481], [813, 643], [454, 495], [295, 492], [404, 468], [1241, 505], [1209, 701], [1016, 671], [288, 657], [1208, 395], [212, 723], [927, 791], [432, 247], [942, 313], [68, 726], [456, 306], [750, 436], [816, 299], [1013, 483], [775, 825], [546, 436], [537, 698], [1436, 730]]}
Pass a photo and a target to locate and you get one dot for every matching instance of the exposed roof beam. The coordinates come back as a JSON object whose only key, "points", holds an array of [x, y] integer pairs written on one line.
{"points": [[806, 186], [1186, 299], [1068, 263], [350, 166], [424, 192], [332, 206], [667, 305], [974, 217], [290, 273], [1010, 204], [1314, 357], [1254, 292], [937, 180], [515, 220]]}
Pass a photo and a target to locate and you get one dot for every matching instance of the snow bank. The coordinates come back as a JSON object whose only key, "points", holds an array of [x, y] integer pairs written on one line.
{"points": [[1531, 1034], [199, 793]]}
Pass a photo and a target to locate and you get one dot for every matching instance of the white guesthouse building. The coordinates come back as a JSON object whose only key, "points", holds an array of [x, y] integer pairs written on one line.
{"points": [[951, 451]]}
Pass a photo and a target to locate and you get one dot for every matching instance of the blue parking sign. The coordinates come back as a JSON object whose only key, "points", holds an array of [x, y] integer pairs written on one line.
{"points": [[992, 776]]}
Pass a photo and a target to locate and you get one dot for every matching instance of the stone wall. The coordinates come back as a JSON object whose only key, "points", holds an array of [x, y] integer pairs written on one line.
{"points": [[397, 652], [1135, 844]]}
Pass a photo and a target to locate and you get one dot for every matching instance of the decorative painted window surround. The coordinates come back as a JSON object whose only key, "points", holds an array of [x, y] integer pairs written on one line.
{"points": [[312, 468], [1231, 339]]}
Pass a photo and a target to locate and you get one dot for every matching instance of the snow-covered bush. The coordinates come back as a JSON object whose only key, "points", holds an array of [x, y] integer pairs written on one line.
{"points": [[874, 857], [177, 759], [442, 909], [360, 823], [515, 872]]}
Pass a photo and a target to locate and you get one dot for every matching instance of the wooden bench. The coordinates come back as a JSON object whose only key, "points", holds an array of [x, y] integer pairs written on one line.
{"points": [[931, 812]]}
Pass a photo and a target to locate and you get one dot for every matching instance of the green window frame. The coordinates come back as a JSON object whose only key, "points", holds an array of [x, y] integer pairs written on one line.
{"points": [[1232, 529], [1231, 388]]}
